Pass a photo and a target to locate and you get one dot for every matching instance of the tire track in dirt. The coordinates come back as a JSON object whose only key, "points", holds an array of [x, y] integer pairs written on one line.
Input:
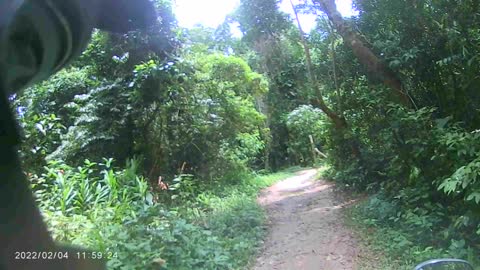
{"points": [[306, 229]]}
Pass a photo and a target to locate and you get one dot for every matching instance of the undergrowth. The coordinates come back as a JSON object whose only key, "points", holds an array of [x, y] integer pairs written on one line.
{"points": [[397, 239], [183, 227]]}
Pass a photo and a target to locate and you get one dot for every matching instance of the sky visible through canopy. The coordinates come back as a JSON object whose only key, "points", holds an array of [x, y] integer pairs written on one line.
{"points": [[212, 13]]}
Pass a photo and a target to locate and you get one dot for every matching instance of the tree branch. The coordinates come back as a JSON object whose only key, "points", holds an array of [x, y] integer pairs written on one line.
{"points": [[362, 52]]}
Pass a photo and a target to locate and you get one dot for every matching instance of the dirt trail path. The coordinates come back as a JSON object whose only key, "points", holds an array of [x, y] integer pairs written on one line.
{"points": [[306, 231]]}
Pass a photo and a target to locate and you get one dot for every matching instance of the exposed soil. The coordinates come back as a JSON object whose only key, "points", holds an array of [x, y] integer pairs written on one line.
{"points": [[306, 229]]}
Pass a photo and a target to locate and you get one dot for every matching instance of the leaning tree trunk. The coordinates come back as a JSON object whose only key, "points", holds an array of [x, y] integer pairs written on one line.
{"points": [[362, 52], [339, 121], [319, 102]]}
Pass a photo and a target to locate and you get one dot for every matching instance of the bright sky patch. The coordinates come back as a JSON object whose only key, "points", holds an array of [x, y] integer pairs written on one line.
{"points": [[212, 13]]}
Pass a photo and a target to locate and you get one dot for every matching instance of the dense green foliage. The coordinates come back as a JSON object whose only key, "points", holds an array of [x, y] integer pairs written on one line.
{"points": [[118, 213], [420, 160], [402, 241], [194, 112], [306, 128]]}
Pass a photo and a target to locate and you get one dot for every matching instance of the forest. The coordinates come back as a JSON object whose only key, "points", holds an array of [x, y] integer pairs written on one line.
{"points": [[153, 145]]}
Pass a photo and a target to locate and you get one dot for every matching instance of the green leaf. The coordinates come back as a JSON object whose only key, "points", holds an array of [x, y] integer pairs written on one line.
{"points": [[474, 196]]}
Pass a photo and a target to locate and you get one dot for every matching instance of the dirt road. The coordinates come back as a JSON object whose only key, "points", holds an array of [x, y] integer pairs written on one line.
{"points": [[306, 231]]}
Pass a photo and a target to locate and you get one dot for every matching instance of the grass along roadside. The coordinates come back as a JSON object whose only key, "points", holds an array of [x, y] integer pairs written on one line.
{"points": [[388, 246], [216, 229], [374, 244]]}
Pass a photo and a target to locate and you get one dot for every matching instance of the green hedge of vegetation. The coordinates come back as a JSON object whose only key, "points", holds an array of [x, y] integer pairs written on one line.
{"points": [[187, 226]]}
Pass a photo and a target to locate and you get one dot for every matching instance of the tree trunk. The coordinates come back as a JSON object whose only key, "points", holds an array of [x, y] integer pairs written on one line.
{"points": [[362, 52], [319, 102], [263, 108], [334, 67], [339, 121]]}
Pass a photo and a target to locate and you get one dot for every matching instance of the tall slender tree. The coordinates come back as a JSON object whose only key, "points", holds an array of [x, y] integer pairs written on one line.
{"points": [[339, 121]]}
